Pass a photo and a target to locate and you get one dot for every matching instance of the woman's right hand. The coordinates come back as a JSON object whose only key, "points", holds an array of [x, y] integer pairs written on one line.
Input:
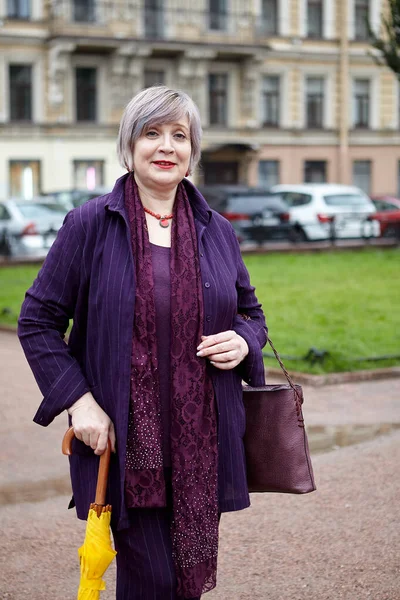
{"points": [[91, 424]]}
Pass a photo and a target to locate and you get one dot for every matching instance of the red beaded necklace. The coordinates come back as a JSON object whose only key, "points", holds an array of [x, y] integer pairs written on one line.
{"points": [[163, 220]]}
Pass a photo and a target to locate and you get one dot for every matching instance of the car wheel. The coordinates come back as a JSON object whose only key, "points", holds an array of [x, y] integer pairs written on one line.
{"points": [[391, 232], [6, 248], [298, 235]]}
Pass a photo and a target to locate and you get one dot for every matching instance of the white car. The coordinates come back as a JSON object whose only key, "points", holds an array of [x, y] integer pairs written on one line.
{"points": [[28, 228], [319, 211]]}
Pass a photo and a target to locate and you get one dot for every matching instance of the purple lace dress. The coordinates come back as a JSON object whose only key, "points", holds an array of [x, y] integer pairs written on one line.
{"points": [[172, 396], [162, 300]]}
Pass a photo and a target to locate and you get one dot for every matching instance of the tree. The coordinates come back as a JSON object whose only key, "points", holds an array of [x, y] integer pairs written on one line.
{"points": [[388, 41]]}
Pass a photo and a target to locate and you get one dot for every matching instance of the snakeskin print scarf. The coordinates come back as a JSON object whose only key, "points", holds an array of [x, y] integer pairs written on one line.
{"points": [[194, 527]]}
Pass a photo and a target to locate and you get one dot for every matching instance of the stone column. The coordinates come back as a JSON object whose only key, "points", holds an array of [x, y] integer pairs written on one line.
{"points": [[193, 70], [58, 64], [127, 64], [136, 68], [249, 91], [120, 92]]}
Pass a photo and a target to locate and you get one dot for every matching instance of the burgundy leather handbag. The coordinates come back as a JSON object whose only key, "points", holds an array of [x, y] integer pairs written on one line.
{"points": [[276, 446]]}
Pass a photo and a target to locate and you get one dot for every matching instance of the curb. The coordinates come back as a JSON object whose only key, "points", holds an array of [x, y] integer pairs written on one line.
{"points": [[21, 262], [267, 248], [338, 378], [322, 246], [320, 439], [34, 491], [331, 437], [8, 329], [307, 378]]}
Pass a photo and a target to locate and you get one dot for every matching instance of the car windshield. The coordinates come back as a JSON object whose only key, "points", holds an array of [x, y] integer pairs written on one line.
{"points": [[34, 211], [55, 207], [296, 198], [346, 200], [384, 205], [82, 197], [249, 204]]}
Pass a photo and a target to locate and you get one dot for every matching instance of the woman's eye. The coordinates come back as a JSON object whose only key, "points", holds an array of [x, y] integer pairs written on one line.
{"points": [[151, 133], [180, 136]]}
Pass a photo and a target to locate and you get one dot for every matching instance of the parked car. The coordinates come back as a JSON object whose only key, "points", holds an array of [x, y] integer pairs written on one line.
{"points": [[28, 228], [388, 215], [321, 211], [255, 214]]}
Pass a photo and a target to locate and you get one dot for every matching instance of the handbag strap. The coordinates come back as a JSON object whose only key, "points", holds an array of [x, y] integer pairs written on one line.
{"points": [[298, 399]]}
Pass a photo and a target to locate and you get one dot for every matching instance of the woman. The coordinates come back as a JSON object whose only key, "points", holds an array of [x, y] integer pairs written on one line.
{"points": [[166, 326]]}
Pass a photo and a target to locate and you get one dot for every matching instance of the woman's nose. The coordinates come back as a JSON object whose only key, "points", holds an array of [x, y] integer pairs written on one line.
{"points": [[166, 144]]}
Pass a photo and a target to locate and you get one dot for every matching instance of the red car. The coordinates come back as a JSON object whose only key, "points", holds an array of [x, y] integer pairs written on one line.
{"points": [[388, 215]]}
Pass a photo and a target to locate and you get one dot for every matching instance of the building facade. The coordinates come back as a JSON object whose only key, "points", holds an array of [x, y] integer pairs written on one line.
{"points": [[288, 90]]}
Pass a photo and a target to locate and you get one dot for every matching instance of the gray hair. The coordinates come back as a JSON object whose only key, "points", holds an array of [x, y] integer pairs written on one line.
{"points": [[154, 106]]}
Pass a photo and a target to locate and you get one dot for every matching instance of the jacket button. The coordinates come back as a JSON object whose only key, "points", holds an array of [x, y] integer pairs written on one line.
{"points": [[201, 254], [208, 318], [207, 284]]}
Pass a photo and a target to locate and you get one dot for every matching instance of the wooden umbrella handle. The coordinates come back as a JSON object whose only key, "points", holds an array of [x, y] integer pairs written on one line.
{"points": [[104, 465]]}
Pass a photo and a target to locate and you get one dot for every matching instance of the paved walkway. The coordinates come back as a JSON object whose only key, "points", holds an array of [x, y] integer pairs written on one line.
{"points": [[341, 542]]}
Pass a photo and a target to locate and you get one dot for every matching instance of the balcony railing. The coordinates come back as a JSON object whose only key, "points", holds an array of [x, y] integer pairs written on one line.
{"points": [[155, 21]]}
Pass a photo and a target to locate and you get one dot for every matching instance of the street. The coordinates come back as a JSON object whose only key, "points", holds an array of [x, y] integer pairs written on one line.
{"points": [[340, 542]]}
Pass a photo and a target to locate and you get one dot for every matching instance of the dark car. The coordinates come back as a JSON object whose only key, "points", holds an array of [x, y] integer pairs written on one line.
{"points": [[257, 215], [388, 215]]}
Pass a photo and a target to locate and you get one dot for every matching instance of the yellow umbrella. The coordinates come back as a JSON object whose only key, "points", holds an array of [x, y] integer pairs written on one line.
{"points": [[96, 553]]}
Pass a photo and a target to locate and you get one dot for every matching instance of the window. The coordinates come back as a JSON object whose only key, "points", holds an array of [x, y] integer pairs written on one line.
{"points": [[218, 98], [315, 102], [268, 173], [86, 94], [88, 174], [345, 200], [385, 205], [361, 102], [35, 210], [84, 11], [269, 17], [314, 19], [20, 92], [24, 178], [362, 175], [154, 19], [4, 214], [218, 15], [296, 198], [315, 171], [270, 100], [18, 9], [153, 78], [220, 172], [249, 204], [361, 12]]}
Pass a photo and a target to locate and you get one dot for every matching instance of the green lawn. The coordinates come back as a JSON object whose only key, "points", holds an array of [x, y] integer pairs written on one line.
{"points": [[346, 303], [14, 281]]}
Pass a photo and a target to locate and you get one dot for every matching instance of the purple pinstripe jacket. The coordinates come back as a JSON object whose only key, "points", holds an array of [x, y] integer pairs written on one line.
{"points": [[88, 276]]}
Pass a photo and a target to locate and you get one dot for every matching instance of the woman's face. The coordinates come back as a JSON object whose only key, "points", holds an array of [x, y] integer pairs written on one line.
{"points": [[162, 153]]}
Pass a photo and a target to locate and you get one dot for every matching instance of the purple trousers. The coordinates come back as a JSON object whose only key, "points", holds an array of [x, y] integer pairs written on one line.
{"points": [[145, 569]]}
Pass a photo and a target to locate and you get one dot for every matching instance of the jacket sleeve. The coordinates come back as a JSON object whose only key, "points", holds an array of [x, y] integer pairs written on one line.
{"points": [[48, 306], [250, 324]]}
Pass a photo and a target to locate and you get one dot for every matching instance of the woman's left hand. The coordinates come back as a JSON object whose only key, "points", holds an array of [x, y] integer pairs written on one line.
{"points": [[225, 350]]}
